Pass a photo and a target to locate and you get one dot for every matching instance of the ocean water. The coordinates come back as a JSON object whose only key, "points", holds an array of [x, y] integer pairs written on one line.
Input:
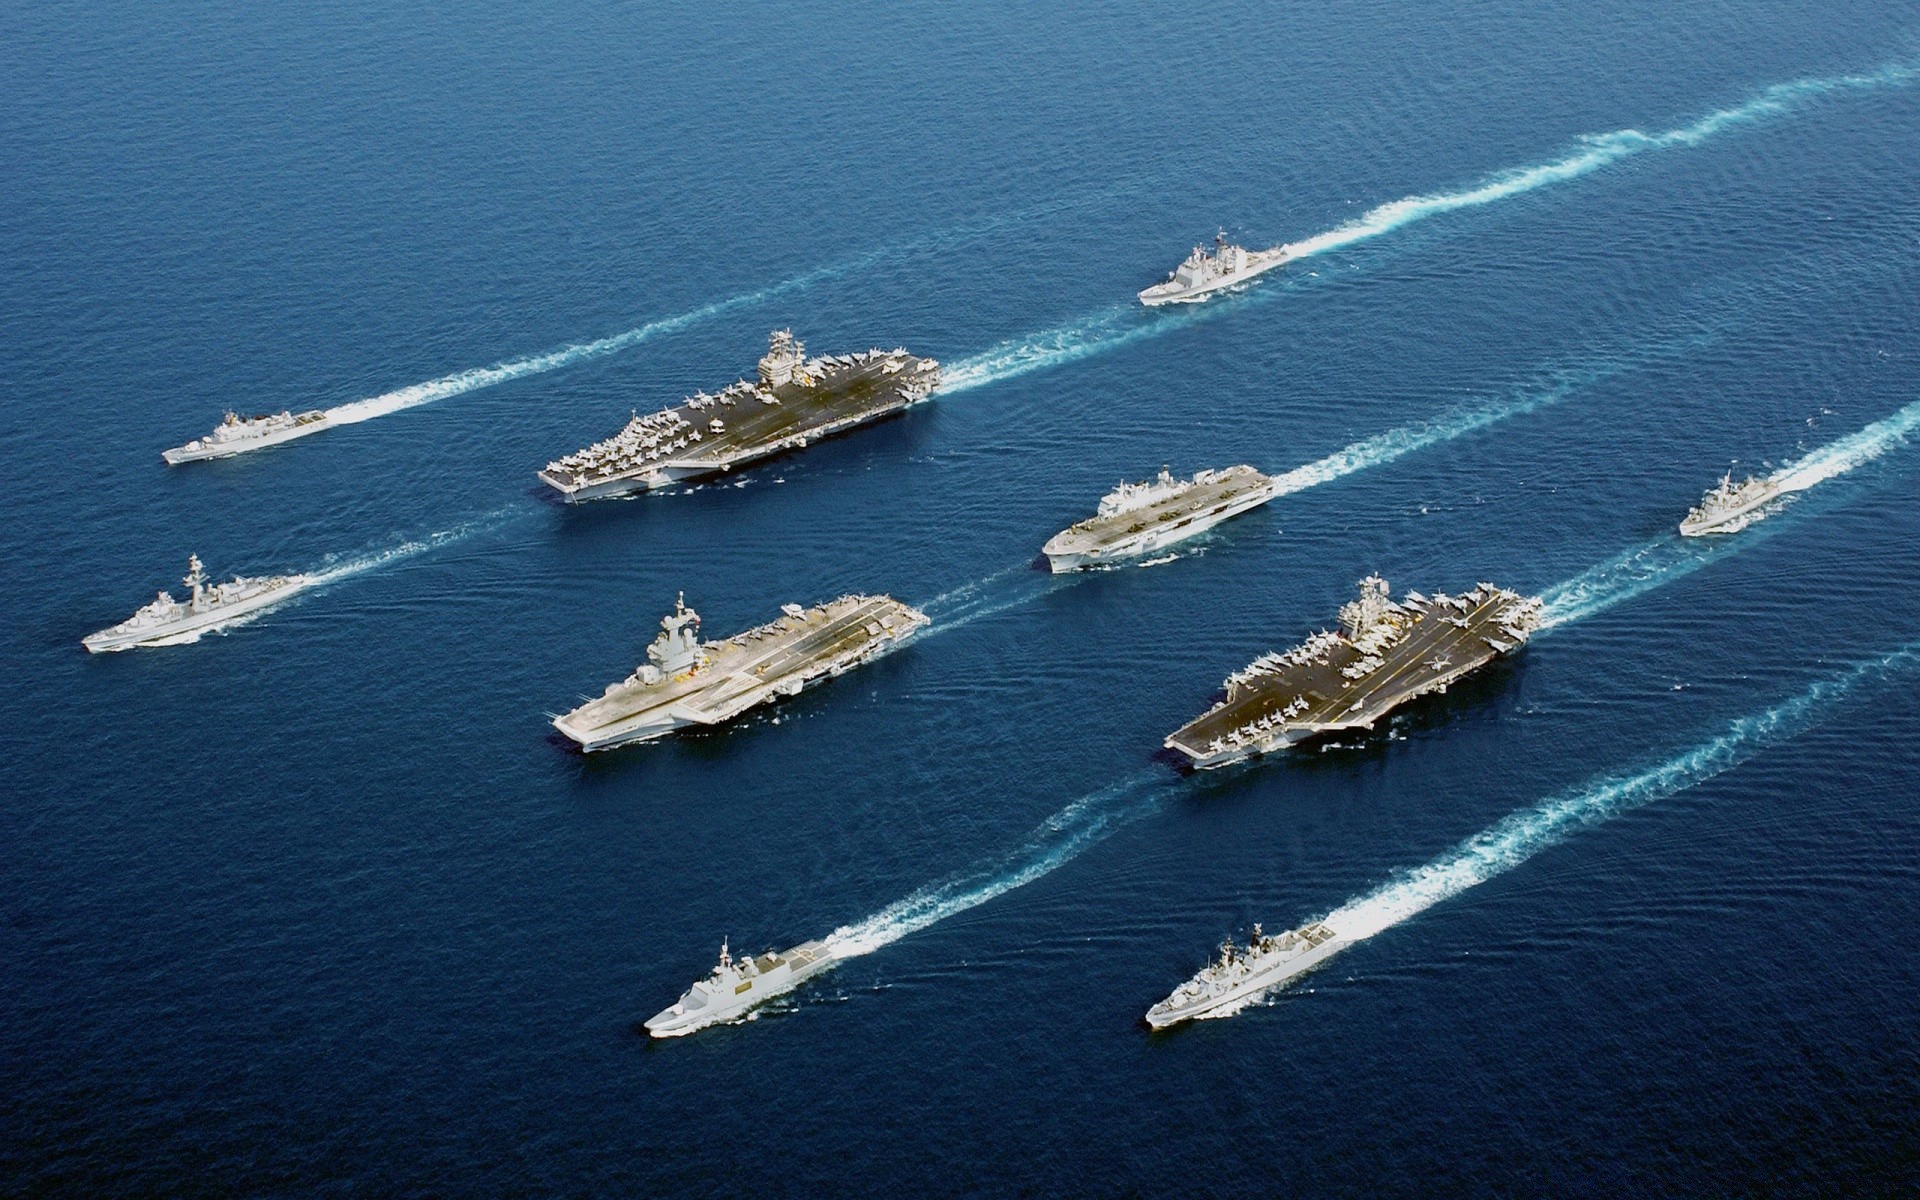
{"points": [[319, 905]]}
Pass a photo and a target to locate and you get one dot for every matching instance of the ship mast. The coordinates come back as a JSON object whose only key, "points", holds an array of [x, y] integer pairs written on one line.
{"points": [[195, 579]]}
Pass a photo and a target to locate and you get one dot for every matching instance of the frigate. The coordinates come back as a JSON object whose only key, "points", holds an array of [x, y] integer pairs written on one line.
{"points": [[689, 682], [1385, 654], [237, 435], [165, 621], [1730, 507], [1240, 976], [737, 986], [1139, 518], [794, 401], [1203, 274]]}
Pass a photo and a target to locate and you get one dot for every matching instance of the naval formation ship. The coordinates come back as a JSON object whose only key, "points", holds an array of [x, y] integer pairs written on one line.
{"points": [[1384, 655], [1730, 507], [689, 682], [237, 435], [1240, 976], [166, 621], [794, 401], [1204, 274], [737, 986], [1139, 518]]}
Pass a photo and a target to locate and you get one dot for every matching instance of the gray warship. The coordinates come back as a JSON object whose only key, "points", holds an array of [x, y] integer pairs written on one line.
{"points": [[1204, 274], [1240, 976], [1385, 654], [687, 682], [1139, 518], [737, 986], [1730, 507], [165, 621], [236, 434], [794, 401]]}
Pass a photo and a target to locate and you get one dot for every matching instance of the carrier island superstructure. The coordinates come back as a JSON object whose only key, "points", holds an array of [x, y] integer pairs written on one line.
{"points": [[793, 401], [686, 682], [1384, 654], [1239, 976], [1139, 518], [1203, 274]]}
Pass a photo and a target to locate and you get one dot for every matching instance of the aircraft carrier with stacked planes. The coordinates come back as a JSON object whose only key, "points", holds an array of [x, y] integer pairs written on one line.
{"points": [[1241, 976], [165, 621], [794, 401], [1204, 274], [687, 682], [1730, 507], [737, 986], [1385, 654], [237, 435], [1139, 518]]}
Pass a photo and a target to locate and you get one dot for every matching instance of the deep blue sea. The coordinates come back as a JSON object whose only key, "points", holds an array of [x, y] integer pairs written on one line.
{"points": [[320, 906]]}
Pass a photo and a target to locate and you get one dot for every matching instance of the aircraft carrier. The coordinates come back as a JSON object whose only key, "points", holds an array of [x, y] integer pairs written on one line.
{"points": [[1385, 654], [737, 986], [795, 400], [1139, 518], [1730, 507], [687, 682], [1240, 976], [237, 435], [1204, 274], [165, 621]]}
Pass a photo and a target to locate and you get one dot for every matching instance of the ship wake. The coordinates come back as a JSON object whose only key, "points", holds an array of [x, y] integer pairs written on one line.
{"points": [[1116, 327]]}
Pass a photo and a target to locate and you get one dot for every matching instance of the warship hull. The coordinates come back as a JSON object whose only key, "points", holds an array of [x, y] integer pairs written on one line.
{"points": [[743, 425], [1258, 264], [1731, 521], [1157, 527], [307, 424], [731, 995], [757, 667], [1336, 682], [1171, 1011], [192, 626]]}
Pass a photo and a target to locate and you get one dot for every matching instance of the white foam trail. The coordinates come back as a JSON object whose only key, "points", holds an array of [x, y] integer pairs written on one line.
{"points": [[1061, 838], [1524, 834], [1121, 325], [333, 571], [1670, 557], [1837, 458], [480, 377]]}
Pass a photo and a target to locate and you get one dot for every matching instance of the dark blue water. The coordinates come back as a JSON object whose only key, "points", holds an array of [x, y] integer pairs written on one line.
{"points": [[318, 905]]}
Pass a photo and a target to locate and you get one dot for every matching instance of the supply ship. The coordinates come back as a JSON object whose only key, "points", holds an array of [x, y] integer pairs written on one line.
{"points": [[1203, 274], [237, 435], [1241, 976], [689, 682], [1385, 654], [1138, 518], [738, 986], [1729, 507], [794, 401], [166, 621]]}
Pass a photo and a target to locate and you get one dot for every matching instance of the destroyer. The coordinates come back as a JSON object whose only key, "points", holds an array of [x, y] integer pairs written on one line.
{"points": [[1204, 274], [237, 435], [795, 400], [170, 622], [1384, 655], [736, 987], [1242, 975], [1138, 518], [687, 682], [1729, 507]]}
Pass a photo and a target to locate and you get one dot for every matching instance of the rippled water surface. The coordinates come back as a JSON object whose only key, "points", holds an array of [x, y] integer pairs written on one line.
{"points": [[318, 904]]}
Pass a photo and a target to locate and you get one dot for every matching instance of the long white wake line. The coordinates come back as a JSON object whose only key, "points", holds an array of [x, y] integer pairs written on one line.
{"points": [[1121, 325], [1521, 835], [1669, 557], [333, 570]]}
